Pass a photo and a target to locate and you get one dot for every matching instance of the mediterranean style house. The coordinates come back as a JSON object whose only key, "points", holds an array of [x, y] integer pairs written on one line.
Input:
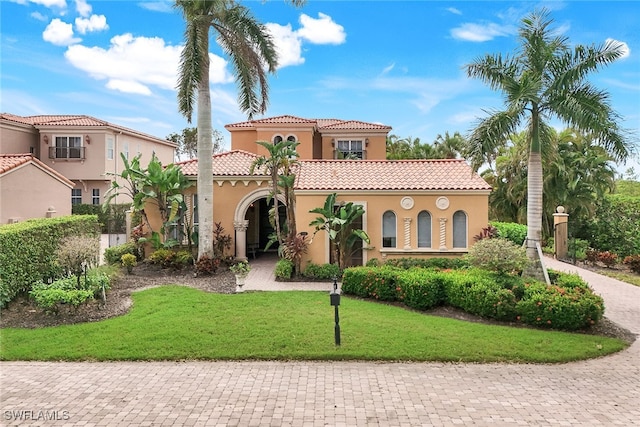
{"points": [[81, 149], [415, 208]]}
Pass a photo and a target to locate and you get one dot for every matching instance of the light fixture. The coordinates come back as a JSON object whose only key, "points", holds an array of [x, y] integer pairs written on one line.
{"points": [[87, 139], [45, 139]]}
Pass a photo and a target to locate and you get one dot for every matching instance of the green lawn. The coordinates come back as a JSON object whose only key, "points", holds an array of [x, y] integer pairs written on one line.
{"points": [[175, 323]]}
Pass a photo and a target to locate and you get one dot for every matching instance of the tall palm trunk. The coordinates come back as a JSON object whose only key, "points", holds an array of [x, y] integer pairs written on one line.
{"points": [[534, 199], [205, 153]]}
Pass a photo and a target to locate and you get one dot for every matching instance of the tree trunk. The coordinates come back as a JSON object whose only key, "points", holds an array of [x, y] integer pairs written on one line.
{"points": [[205, 161], [534, 215]]}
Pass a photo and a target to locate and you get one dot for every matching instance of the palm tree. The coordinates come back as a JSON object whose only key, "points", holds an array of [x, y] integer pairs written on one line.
{"points": [[252, 55], [545, 79]]}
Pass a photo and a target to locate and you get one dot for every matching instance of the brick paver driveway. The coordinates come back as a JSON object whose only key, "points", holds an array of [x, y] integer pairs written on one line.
{"points": [[600, 392]]}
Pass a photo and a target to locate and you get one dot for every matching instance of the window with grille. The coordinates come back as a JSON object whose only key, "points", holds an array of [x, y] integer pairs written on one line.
{"points": [[350, 148], [67, 147], [76, 196]]}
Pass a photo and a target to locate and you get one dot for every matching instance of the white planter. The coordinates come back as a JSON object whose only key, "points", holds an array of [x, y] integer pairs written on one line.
{"points": [[240, 278]]}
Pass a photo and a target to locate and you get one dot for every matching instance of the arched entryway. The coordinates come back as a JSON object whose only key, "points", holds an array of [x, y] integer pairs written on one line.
{"points": [[251, 222]]}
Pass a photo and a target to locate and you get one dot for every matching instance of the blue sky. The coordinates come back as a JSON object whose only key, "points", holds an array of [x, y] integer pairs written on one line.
{"points": [[393, 62]]}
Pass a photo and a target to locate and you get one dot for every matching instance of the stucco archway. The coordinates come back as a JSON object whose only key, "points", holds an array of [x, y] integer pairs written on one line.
{"points": [[240, 224]]}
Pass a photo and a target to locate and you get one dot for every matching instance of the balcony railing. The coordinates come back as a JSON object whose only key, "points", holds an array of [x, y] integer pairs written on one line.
{"points": [[67, 153]]}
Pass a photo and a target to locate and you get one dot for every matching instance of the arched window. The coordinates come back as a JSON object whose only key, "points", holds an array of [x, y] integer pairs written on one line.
{"points": [[424, 229], [277, 139], [389, 229], [459, 229], [292, 138]]}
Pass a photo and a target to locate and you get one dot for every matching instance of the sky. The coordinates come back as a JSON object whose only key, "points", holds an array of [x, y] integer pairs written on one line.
{"points": [[399, 63]]}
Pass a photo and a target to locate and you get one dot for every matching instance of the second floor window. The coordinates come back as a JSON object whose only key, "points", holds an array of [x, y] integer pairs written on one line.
{"points": [[350, 148], [67, 147], [95, 197], [110, 150]]}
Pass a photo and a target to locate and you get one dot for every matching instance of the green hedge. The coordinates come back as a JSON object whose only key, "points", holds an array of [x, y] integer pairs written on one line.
{"points": [[517, 233], [322, 271], [112, 220], [28, 250], [616, 225], [569, 304], [113, 255]]}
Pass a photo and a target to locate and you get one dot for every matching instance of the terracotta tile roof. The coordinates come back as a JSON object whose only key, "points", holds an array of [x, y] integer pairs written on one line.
{"points": [[320, 123], [75, 120], [355, 125], [9, 162], [230, 163], [358, 174], [388, 175]]}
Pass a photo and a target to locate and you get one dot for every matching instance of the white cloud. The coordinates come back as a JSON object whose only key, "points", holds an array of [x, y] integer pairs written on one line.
{"points": [[454, 11], [39, 16], [626, 51], [157, 6], [51, 3], [388, 68], [134, 64], [480, 33], [322, 30], [83, 8], [288, 44], [94, 23], [59, 33]]}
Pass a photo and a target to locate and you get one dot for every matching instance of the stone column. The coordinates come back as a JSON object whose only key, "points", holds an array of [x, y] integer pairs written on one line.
{"points": [[560, 233], [443, 234], [241, 239], [407, 233], [51, 212]]}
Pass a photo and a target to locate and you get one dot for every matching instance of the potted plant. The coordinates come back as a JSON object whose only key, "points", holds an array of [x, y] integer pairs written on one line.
{"points": [[241, 270]]}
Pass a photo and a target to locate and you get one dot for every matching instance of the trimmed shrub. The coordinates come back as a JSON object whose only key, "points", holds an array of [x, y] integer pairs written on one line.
{"points": [[516, 233], [112, 218], [560, 308], [440, 263], [633, 261], [166, 258], [322, 271], [28, 250], [421, 289], [498, 255], [113, 255], [371, 282], [284, 269]]}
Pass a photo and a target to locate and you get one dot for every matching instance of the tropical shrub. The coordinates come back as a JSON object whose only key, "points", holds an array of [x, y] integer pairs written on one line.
{"points": [[207, 265], [488, 232], [28, 250], [322, 271], [68, 291], [559, 307], [607, 258], [129, 261], [420, 288], [371, 282], [516, 233], [498, 255], [633, 261], [577, 249], [113, 255], [167, 258], [616, 225], [284, 269]]}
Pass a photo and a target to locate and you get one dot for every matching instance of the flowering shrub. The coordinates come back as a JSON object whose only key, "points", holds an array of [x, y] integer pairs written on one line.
{"points": [[633, 261], [609, 259], [568, 304], [560, 308]]}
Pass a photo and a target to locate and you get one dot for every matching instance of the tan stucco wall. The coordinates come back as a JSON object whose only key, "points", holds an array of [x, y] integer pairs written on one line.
{"points": [[246, 140], [474, 205], [376, 149], [28, 192]]}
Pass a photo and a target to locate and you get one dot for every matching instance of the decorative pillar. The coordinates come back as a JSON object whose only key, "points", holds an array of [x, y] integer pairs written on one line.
{"points": [[407, 233], [241, 239], [443, 234], [51, 212], [560, 233]]}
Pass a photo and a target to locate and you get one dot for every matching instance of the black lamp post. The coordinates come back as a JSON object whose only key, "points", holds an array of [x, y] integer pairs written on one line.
{"points": [[334, 296]]}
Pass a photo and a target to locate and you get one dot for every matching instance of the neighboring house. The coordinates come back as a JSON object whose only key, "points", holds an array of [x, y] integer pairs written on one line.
{"points": [[31, 189], [412, 207], [83, 149]]}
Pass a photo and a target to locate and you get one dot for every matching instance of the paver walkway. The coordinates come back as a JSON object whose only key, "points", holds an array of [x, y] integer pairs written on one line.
{"points": [[599, 392]]}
